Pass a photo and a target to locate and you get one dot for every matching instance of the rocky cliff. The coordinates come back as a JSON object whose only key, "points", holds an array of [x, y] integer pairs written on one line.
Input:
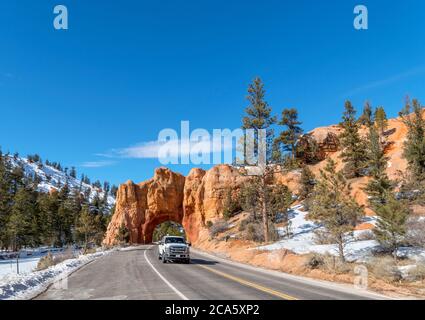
{"points": [[140, 207], [190, 201]]}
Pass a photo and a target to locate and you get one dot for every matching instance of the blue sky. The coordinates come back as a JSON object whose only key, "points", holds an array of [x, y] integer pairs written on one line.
{"points": [[127, 69]]}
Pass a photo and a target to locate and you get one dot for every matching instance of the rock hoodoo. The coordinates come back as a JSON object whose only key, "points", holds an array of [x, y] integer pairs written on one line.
{"points": [[169, 196], [141, 207]]}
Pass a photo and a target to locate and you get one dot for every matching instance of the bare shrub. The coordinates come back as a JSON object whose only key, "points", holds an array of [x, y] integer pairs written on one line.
{"points": [[218, 227], [327, 263], [314, 261], [51, 260], [416, 232], [417, 273], [245, 222], [366, 235], [90, 251], [385, 267], [255, 232], [322, 237], [336, 265]]}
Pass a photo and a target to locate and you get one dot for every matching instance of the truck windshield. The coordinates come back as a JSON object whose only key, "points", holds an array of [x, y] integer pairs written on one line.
{"points": [[174, 240]]}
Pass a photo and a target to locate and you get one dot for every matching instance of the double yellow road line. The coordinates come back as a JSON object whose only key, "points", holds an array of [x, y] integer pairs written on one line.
{"points": [[251, 284]]}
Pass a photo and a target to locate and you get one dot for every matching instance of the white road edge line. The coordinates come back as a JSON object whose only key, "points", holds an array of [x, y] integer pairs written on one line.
{"points": [[341, 287], [181, 295]]}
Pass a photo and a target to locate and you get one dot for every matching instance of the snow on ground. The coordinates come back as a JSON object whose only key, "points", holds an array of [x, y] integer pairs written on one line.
{"points": [[29, 284], [28, 260], [303, 240]]}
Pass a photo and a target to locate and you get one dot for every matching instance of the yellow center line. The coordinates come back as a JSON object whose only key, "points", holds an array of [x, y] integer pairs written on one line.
{"points": [[251, 284]]}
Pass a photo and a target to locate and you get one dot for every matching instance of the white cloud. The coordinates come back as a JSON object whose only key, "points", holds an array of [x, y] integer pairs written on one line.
{"points": [[386, 81], [172, 148]]}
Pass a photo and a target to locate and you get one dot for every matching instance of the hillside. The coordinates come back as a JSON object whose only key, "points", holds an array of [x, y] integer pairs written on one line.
{"points": [[53, 179], [395, 136]]}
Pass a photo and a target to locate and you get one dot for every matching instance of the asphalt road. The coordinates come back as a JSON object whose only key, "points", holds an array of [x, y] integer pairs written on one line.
{"points": [[137, 274]]}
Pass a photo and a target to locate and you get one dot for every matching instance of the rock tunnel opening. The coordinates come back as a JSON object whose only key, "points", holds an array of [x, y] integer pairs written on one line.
{"points": [[159, 223], [170, 228]]}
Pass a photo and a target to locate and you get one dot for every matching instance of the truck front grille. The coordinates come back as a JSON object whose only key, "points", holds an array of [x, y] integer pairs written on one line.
{"points": [[177, 250]]}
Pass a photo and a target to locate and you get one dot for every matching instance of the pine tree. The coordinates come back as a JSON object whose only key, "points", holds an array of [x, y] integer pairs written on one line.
{"points": [[381, 121], [308, 181], [353, 154], [414, 146], [6, 198], [73, 173], [288, 138], [390, 229], [231, 204], [114, 191], [48, 205], [366, 117], [249, 197], [87, 226], [333, 206], [258, 113], [380, 186], [20, 223], [279, 199]]}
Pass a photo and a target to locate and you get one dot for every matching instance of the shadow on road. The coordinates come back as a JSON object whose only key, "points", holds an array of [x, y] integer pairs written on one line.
{"points": [[203, 262], [139, 248]]}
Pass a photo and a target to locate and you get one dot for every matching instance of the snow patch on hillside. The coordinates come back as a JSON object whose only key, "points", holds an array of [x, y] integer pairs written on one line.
{"points": [[53, 179], [303, 240]]}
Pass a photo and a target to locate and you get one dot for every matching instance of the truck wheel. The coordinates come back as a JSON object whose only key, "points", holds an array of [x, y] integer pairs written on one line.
{"points": [[187, 261]]}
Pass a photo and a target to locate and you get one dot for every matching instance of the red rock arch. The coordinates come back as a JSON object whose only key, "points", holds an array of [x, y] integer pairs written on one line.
{"points": [[150, 225], [190, 201]]}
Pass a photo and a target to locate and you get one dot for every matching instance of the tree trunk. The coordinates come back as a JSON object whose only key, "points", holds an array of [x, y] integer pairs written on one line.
{"points": [[264, 209], [341, 248]]}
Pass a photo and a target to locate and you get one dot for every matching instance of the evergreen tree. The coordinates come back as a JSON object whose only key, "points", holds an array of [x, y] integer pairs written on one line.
{"points": [[380, 185], [6, 198], [87, 226], [390, 229], [258, 113], [279, 199], [353, 153], [47, 209], [231, 204], [366, 117], [114, 190], [414, 146], [73, 173], [249, 197], [334, 207], [166, 228], [20, 225], [381, 121], [308, 181], [288, 138]]}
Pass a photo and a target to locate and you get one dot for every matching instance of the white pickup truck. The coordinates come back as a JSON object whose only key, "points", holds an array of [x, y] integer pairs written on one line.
{"points": [[172, 248]]}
